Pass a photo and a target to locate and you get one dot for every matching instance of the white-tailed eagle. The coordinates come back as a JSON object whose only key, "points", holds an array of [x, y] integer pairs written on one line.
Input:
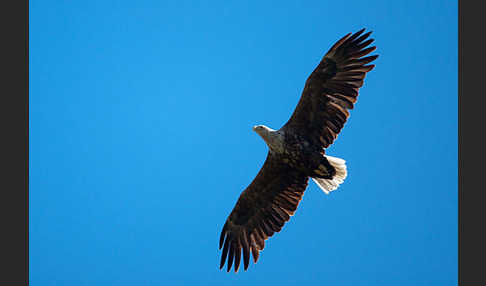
{"points": [[297, 151]]}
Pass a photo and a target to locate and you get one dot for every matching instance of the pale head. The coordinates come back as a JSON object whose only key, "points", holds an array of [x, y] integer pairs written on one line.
{"points": [[273, 138], [265, 132], [262, 130]]}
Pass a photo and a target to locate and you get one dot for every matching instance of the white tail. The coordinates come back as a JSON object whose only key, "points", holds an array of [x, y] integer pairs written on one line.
{"points": [[329, 185]]}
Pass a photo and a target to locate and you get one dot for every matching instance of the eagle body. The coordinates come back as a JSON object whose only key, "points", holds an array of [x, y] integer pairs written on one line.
{"points": [[297, 151]]}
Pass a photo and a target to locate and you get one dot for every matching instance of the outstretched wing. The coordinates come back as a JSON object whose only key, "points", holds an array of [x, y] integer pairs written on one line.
{"points": [[261, 210], [332, 89]]}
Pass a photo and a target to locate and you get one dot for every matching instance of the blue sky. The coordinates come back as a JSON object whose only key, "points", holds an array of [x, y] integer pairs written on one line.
{"points": [[141, 141]]}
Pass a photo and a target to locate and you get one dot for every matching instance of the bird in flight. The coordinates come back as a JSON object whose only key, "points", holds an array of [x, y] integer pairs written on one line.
{"points": [[297, 151]]}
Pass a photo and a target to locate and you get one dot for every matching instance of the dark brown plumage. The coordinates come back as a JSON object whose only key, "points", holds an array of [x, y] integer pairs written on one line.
{"points": [[272, 198], [331, 89]]}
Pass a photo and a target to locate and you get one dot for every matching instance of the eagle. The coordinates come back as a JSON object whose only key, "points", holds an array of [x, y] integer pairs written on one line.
{"points": [[297, 151]]}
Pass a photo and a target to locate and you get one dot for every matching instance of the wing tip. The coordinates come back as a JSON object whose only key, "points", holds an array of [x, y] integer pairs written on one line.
{"points": [[371, 67], [339, 43], [230, 257], [360, 31]]}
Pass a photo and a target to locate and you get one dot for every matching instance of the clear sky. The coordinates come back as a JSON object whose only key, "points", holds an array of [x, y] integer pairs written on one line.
{"points": [[141, 141]]}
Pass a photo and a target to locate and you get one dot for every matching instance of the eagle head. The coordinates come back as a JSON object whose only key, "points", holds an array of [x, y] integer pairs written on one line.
{"points": [[264, 131], [261, 129]]}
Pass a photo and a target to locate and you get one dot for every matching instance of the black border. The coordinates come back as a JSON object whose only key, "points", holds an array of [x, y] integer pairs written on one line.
{"points": [[14, 130], [471, 129]]}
